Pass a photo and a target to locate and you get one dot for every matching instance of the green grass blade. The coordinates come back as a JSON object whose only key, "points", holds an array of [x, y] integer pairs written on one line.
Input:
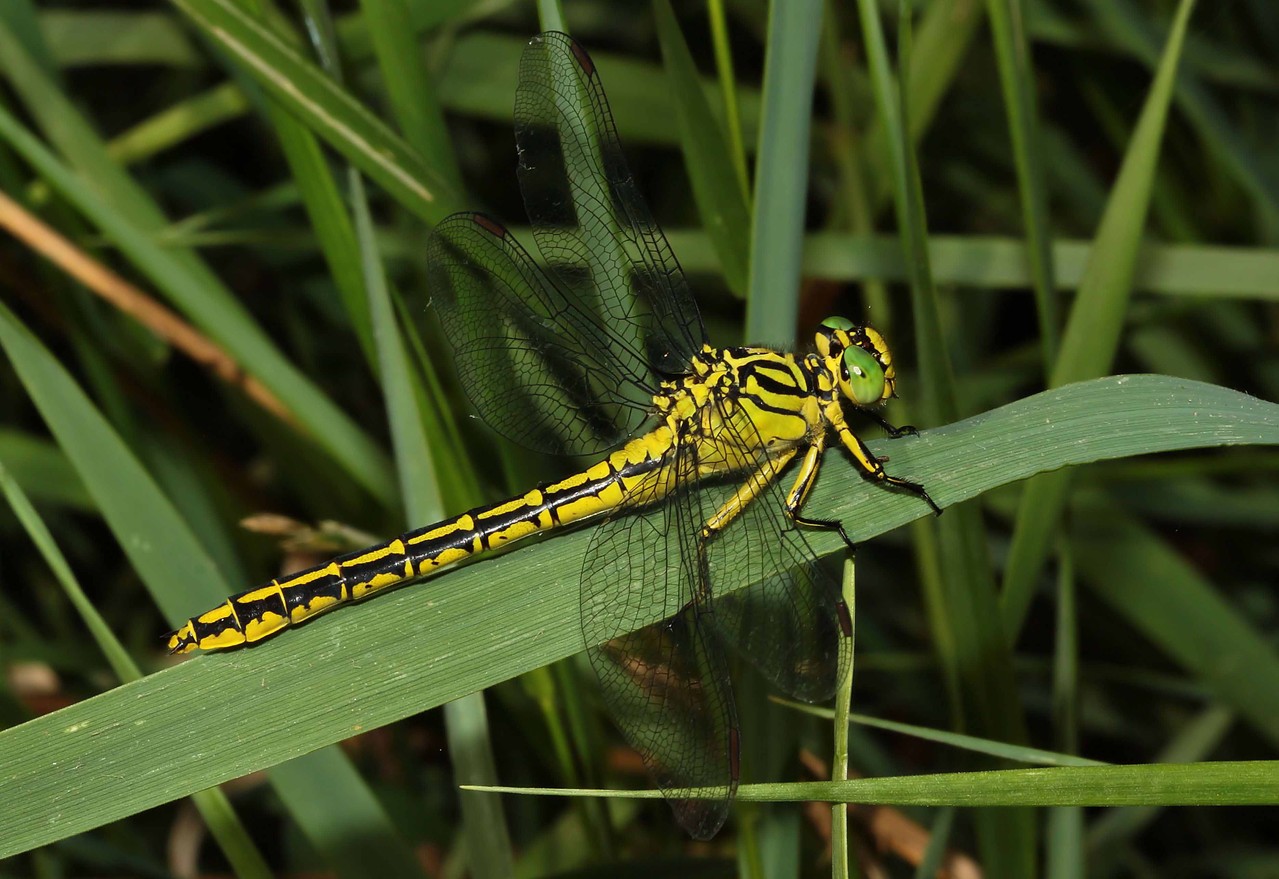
{"points": [[488, 841], [781, 174], [990, 747], [412, 95], [1162, 596], [121, 663], [213, 804], [1127, 25], [327, 109], [942, 40], [440, 640], [1017, 78], [1237, 783], [1223, 783], [487, 838], [326, 211], [165, 553], [1092, 334], [178, 123], [42, 470], [100, 37], [129, 218], [550, 15], [717, 190], [978, 654], [728, 92], [1000, 263], [938, 840], [226, 827], [356, 840], [1064, 853], [1113, 831]]}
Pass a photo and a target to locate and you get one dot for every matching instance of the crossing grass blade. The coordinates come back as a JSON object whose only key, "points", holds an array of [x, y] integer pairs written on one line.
{"points": [[1242, 783], [1223, 783]]}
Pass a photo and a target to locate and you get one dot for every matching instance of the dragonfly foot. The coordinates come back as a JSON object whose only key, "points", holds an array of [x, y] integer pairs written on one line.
{"points": [[828, 525]]}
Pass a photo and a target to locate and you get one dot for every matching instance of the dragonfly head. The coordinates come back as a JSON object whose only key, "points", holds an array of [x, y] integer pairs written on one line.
{"points": [[859, 359]]}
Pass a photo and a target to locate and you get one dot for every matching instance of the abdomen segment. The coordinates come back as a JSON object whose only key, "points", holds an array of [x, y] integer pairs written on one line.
{"points": [[285, 601]]}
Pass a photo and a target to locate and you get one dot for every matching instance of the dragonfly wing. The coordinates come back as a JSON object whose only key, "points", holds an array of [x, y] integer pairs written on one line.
{"points": [[540, 370], [787, 617], [666, 685], [589, 219]]}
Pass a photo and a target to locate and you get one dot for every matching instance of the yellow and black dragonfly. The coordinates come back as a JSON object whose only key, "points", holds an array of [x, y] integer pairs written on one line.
{"points": [[601, 347]]}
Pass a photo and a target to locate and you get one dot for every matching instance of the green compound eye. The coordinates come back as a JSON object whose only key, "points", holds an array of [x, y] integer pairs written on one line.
{"points": [[837, 323], [865, 380]]}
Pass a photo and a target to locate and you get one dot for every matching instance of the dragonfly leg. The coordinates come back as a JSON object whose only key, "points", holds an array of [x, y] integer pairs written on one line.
{"points": [[872, 468], [759, 481], [892, 431], [805, 479]]}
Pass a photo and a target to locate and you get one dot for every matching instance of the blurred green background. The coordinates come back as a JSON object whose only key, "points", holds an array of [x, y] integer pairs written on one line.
{"points": [[1020, 194]]}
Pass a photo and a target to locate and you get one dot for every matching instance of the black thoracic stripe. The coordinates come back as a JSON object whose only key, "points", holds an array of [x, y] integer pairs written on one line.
{"points": [[759, 403], [775, 386], [778, 378], [765, 364]]}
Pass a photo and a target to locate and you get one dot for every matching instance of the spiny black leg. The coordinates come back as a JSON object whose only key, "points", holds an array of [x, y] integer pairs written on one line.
{"points": [[826, 525], [893, 432], [914, 488]]}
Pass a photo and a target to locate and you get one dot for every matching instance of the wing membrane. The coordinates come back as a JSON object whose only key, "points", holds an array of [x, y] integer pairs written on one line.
{"points": [[589, 219], [539, 368], [567, 358], [788, 618], [667, 685]]}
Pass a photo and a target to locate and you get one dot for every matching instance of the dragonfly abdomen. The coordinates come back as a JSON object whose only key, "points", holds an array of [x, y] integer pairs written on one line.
{"points": [[277, 604]]}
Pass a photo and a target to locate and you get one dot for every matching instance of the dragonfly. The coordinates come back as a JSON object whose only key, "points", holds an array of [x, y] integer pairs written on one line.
{"points": [[599, 347]]}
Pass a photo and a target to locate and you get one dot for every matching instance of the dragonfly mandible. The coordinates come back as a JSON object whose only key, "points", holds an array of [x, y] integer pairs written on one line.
{"points": [[600, 346]]}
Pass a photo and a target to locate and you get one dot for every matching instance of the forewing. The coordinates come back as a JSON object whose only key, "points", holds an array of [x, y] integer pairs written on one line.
{"points": [[665, 685], [590, 222], [540, 368]]}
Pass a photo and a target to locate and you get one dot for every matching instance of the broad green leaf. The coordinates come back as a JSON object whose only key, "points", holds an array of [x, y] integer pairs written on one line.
{"points": [[130, 749]]}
